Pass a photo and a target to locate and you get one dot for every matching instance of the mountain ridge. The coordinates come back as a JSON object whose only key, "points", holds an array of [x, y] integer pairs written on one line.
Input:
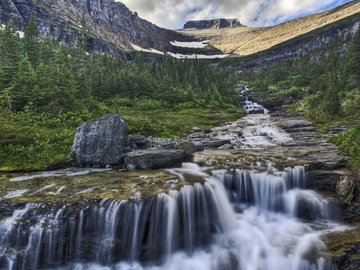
{"points": [[244, 41], [218, 23], [112, 28], [111, 25]]}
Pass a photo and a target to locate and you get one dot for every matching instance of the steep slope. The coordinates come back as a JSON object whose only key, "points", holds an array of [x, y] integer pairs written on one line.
{"points": [[110, 25], [249, 40]]}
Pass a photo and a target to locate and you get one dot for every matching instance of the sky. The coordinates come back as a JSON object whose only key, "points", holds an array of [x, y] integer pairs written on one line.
{"points": [[173, 14]]}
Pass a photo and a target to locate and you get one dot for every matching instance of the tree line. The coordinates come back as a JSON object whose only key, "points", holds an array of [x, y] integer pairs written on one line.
{"points": [[44, 76]]}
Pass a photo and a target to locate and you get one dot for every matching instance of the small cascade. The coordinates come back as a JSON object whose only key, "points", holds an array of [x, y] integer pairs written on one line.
{"points": [[113, 231], [253, 107], [237, 220], [276, 191]]}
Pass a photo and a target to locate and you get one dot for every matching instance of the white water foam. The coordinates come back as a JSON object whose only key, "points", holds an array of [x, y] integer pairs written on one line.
{"points": [[59, 173]]}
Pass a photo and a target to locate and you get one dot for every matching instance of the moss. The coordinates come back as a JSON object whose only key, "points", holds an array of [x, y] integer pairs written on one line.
{"points": [[340, 243], [95, 186]]}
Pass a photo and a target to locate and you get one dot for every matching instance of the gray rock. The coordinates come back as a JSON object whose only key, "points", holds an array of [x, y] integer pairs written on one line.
{"points": [[345, 189], [163, 143], [215, 143], [116, 26], [196, 129], [154, 158], [226, 147], [139, 142], [214, 24], [186, 146], [130, 167], [198, 146], [100, 142]]}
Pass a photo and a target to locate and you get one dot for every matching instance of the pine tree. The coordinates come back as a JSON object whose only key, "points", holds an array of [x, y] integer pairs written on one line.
{"points": [[31, 42], [354, 57], [10, 55], [22, 85]]}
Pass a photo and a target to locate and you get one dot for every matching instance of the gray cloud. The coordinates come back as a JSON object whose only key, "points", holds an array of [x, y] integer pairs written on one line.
{"points": [[173, 13]]}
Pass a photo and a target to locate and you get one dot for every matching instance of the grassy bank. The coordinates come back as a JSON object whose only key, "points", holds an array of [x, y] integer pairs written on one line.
{"points": [[30, 141]]}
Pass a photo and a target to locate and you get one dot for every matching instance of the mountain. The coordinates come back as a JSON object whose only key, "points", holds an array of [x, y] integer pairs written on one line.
{"points": [[213, 24], [250, 40], [110, 25], [111, 28]]}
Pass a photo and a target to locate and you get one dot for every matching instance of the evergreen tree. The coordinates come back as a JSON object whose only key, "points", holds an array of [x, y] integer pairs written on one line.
{"points": [[10, 54], [31, 42], [22, 85], [354, 57]]}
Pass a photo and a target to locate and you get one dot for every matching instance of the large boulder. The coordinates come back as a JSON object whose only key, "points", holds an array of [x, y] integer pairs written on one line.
{"points": [[100, 142], [154, 159]]}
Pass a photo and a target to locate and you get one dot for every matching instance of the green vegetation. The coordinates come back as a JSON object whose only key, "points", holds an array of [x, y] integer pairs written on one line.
{"points": [[326, 91], [47, 90], [350, 142]]}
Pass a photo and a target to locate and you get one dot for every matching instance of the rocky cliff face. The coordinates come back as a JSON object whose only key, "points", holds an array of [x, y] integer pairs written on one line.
{"points": [[110, 25], [215, 24]]}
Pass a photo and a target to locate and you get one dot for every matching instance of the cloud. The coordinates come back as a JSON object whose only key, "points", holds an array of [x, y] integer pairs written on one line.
{"points": [[173, 13]]}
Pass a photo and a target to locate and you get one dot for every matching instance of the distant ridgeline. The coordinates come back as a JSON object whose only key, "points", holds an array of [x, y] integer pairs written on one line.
{"points": [[215, 23], [316, 44]]}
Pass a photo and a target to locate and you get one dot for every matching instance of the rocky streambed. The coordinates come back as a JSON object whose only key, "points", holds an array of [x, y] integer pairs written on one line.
{"points": [[264, 192]]}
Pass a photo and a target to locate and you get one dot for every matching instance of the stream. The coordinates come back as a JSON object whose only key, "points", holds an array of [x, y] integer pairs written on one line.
{"points": [[253, 216]]}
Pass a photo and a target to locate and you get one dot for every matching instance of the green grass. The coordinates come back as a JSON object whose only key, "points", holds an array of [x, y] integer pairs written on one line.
{"points": [[30, 141], [349, 142]]}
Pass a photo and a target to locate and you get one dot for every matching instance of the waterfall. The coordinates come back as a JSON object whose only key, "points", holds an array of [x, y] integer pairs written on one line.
{"points": [[240, 219], [276, 191]]}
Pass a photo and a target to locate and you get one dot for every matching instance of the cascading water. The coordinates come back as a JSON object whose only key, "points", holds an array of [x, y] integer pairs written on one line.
{"points": [[234, 220]]}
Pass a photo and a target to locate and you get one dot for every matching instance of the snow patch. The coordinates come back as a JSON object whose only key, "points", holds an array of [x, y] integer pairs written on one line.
{"points": [[140, 49], [192, 44], [197, 56], [179, 56], [21, 34]]}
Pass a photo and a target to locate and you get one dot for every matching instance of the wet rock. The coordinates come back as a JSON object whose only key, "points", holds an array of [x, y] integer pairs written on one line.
{"points": [[127, 149], [198, 146], [196, 129], [226, 147], [100, 142], [215, 143], [345, 189], [130, 167], [154, 158]]}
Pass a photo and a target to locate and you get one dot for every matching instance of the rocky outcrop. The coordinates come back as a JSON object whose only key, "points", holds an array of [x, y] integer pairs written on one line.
{"points": [[215, 24], [345, 189], [100, 142], [104, 143], [154, 159], [109, 25]]}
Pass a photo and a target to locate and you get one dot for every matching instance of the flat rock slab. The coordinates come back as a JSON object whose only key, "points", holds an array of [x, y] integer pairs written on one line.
{"points": [[154, 158]]}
